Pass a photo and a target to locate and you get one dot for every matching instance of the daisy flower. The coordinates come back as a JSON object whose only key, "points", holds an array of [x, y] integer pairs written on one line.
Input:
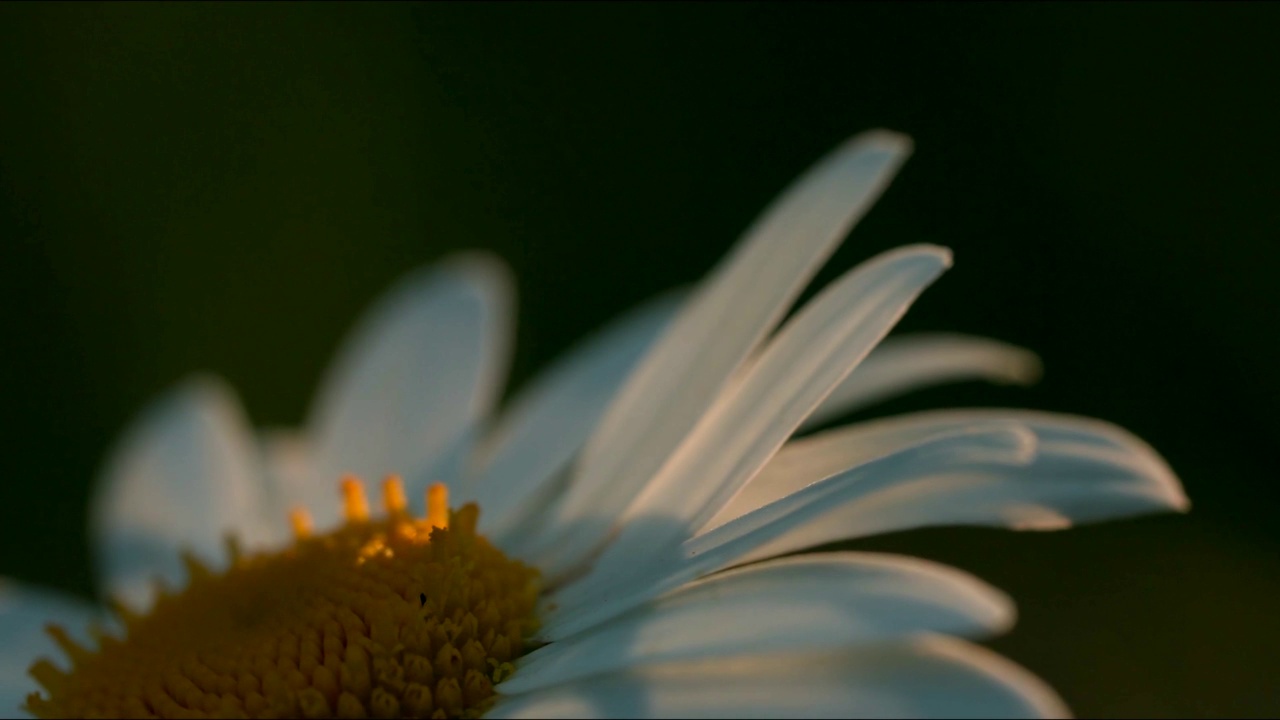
{"points": [[622, 537]]}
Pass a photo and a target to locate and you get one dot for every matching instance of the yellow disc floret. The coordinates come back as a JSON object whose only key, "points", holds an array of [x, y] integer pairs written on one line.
{"points": [[398, 617]]}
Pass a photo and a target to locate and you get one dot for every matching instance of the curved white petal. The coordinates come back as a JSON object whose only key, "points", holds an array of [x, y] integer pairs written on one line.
{"points": [[185, 474], [807, 460], [738, 304], [548, 421], [597, 598], [907, 362], [930, 677], [418, 371], [810, 602], [1084, 470], [747, 424], [24, 613]]}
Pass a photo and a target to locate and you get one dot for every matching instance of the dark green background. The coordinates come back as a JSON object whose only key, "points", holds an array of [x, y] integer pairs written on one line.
{"points": [[224, 187]]}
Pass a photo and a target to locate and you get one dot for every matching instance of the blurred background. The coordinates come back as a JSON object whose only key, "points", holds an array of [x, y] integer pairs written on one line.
{"points": [[225, 186]]}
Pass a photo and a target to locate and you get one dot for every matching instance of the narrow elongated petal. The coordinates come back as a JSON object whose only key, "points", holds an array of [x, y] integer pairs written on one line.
{"points": [[909, 362], [185, 474], [809, 357], [24, 612], [931, 677], [597, 598], [815, 602], [738, 305], [548, 422], [807, 460], [412, 379], [1085, 470]]}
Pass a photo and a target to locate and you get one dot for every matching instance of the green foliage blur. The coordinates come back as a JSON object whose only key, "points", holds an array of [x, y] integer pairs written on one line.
{"points": [[224, 187]]}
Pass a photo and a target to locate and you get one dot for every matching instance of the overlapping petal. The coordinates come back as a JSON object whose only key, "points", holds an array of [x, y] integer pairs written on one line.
{"points": [[24, 613], [600, 597], [547, 423], [909, 362], [646, 469], [737, 305], [1084, 470], [185, 475], [746, 425], [924, 678], [814, 602], [411, 382]]}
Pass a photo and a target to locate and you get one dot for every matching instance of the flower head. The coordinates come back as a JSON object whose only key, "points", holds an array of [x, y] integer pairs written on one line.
{"points": [[620, 542]]}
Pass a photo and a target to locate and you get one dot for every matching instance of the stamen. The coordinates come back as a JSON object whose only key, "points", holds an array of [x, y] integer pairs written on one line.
{"points": [[393, 498], [355, 506], [300, 520], [438, 506]]}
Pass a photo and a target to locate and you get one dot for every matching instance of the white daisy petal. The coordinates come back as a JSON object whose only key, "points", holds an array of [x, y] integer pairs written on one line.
{"points": [[185, 474], [925, 678], [809, 459], [746, 426], [597, 598], [412, 379], [24, 613], [812, 602], [737, 305], [638, 500], [549, 420], [909, 362], [1085, 470]]}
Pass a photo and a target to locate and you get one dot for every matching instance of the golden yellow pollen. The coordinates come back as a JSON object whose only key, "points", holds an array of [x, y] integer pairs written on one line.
{"points": [[398, 617], [438, 505], [355, 506], [393, 495], [300, 521]]}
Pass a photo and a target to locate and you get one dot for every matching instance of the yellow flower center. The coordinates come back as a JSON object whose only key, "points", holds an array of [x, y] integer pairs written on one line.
{"points": [[398, 617]]}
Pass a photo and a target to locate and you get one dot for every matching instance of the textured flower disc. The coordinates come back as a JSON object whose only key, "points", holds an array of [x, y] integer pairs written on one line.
{"points": [[398, 617]]}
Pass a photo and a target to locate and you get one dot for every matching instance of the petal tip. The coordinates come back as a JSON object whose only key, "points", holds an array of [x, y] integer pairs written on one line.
{"points": [[889, 141], [1023, 367], [1040, 699], [480, 265], [938, 256], [944, 254], [1177, 497]]}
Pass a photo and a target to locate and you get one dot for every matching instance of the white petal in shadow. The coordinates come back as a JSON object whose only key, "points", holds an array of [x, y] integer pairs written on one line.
{"points": [[24, 613], [1085, 470], [745, 427], [287, 460], [812, 602], [929, 677], [909, 362], [549, 420], [732, 311], [807, 460], [412, 379], [185, 474], [597, 598]]}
